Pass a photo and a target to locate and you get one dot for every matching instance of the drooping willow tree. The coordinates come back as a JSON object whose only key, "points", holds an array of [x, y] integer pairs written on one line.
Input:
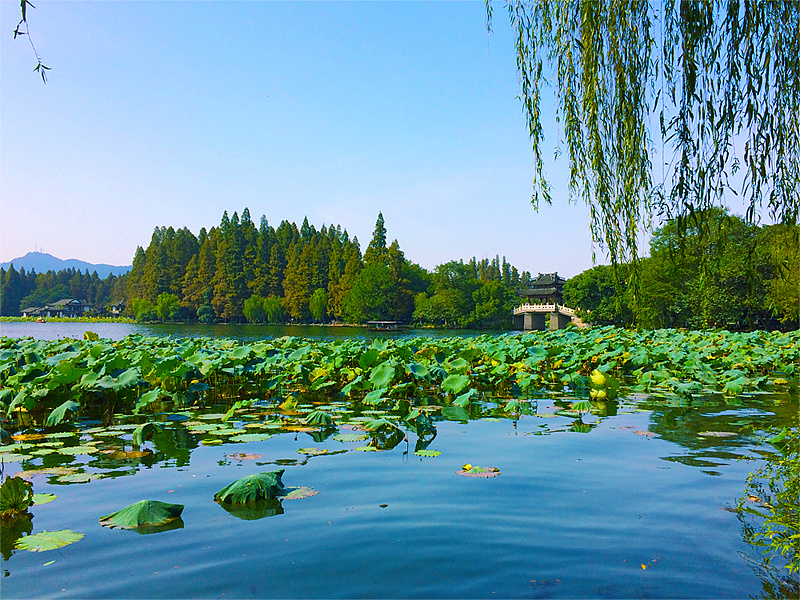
{"points": [[708, 88]]}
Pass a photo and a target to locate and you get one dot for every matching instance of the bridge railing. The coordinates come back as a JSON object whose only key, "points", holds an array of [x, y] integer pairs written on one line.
{"points": [[543, 308]]}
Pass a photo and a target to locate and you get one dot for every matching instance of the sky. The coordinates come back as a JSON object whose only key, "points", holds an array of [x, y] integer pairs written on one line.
{"points": [[169, 113]]}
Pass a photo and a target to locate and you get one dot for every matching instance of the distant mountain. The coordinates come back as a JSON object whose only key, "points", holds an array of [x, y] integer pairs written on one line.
{"points": [[42, 262]]}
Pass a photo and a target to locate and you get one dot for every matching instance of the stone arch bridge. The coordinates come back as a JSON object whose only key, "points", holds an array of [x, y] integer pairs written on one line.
{"points": [[544, 316]]}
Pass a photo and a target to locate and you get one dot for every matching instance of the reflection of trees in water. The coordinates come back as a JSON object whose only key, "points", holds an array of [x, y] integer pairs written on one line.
{"points": [[685, 425], [770, 515], [13, 529]]}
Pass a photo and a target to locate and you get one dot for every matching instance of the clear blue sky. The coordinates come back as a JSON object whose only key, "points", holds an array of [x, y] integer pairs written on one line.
{"points": [[169, 113]]}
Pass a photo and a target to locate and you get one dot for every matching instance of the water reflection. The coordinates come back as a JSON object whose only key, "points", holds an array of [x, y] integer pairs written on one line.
{"points": [[252, 511], [703, 434]]}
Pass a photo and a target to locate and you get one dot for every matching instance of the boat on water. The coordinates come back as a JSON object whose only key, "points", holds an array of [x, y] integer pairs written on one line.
{"points": [[387, 326]]}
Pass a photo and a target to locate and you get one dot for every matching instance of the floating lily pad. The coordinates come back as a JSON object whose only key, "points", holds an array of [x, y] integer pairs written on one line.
{"points": [[26, 437], [43, 451], [46, 471], [145, 513], [244, 456], [127, 454], [350, 437], [211, 442], [253, 487], [251, 437], [43, 498], [297, 493], [476, 471], [79, 478], [312, 451], [211, 417], [76, 450], [368, 449], [93, 430], [717, 433], [48, 540], [645, 433], [10, 457], [300, 428], [430, 453], [203, 427]]}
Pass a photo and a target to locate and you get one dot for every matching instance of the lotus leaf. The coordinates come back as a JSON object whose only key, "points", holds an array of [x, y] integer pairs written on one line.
{"points": [[368, 449], [43, 498], [350, 437], [251, 437], [429, 453], [464, 399], [11, 457], [79, 478], [318, 417], [48, 540], [76, 450], [382, 375], [250, 488], [145, 431], [313, 451], [418, 370], [145, 513], [375, 397], [244, 456], [59, 413], [16, 495], [475, 471], [297, 493]]}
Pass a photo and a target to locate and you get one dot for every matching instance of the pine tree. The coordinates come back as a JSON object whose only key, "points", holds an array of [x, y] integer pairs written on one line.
{"points": [[11, 293], [377, 246]]}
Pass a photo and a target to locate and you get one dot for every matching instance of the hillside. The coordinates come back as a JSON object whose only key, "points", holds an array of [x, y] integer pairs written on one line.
{"points": [[42, 262]]}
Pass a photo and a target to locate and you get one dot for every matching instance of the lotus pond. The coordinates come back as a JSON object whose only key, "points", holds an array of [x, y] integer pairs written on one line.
{"points": [[605, 463]]}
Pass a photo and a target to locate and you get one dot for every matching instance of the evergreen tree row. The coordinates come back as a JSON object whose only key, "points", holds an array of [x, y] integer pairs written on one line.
{"points": [[239, 272], [20, 289]]}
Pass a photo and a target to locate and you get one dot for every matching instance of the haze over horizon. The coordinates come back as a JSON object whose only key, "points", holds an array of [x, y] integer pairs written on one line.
{"points": [[167, 114]]}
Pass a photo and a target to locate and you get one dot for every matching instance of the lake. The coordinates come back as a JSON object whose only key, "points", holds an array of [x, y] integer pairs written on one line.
{"points": [[635, 505], [116, 331], [634, 498]]}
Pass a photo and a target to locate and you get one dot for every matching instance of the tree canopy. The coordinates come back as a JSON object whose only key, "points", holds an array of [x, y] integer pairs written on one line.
{"points": [[711, 88]]}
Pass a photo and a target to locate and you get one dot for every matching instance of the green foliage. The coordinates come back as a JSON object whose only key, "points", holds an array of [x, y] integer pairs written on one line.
{"points": [[48, 540], [143, 310], [728, 275], [776, 488], [167, 306], [318, 304], [254, 309], [719, 77], [16, 496], [53, 380], [259, 486], [144, 513]]}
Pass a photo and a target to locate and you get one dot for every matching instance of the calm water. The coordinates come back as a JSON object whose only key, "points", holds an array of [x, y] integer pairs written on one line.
{"points": [[117, 331], [633, 507]]}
